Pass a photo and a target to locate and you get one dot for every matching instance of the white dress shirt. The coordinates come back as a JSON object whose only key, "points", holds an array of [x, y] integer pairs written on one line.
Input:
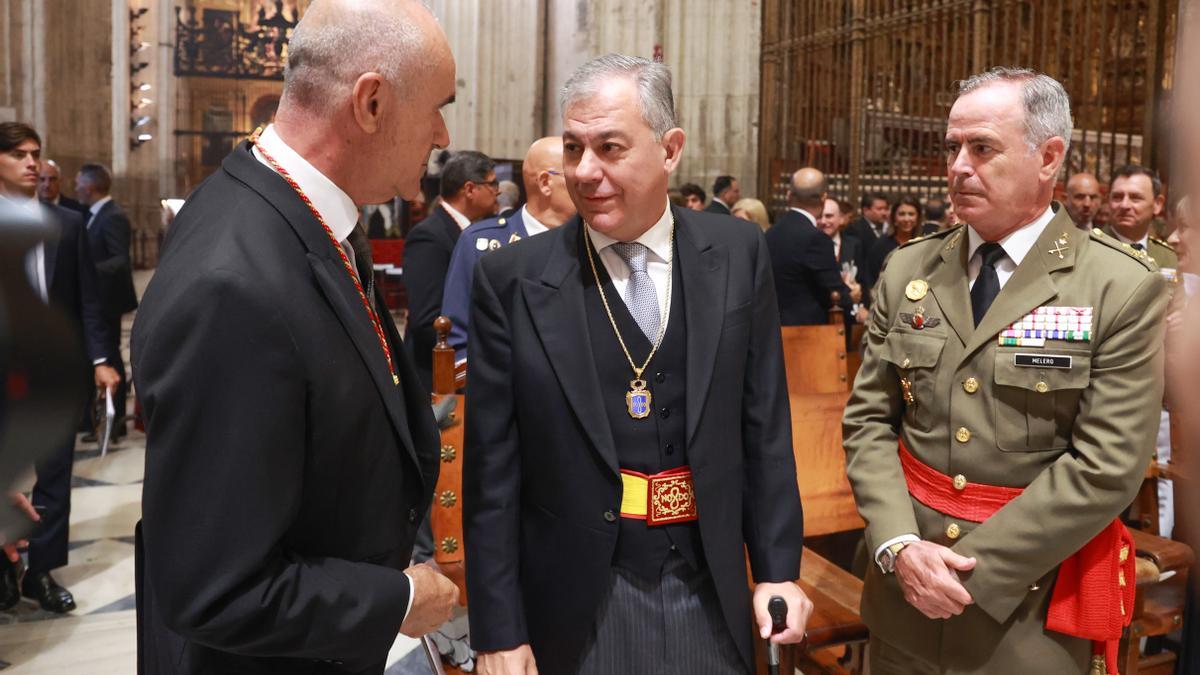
{"points": [[95, 208], [463, 221], [36, 258], [657, 240], [1016, 246], [334, 205], [532, 225]]}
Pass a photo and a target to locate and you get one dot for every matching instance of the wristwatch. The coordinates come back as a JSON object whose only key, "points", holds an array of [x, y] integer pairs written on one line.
{"points": [[887, 559]]}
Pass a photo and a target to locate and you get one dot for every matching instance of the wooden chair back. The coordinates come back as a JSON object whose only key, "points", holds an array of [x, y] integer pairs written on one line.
{"points": [[815, 357], [446, 519]]}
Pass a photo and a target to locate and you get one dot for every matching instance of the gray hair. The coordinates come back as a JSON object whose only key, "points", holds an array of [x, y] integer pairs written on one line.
{"points": [[325, 60], [508, 194], [653, 81], [1047, 105]]}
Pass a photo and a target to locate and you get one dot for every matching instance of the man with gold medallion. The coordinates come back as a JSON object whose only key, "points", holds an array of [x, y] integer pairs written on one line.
{"points": [[629, 436], [1001, 419]]}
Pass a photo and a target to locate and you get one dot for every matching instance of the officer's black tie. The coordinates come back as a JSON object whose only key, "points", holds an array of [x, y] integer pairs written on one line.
{"points": [[987, 284]]}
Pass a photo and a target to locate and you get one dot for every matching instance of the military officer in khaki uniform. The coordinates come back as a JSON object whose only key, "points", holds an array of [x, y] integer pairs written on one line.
{"points": [[1136, 199], [1011, 380]]}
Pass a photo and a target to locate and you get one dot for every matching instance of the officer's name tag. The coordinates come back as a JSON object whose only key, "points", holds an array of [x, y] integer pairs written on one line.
{"points": [[1042, 361]]}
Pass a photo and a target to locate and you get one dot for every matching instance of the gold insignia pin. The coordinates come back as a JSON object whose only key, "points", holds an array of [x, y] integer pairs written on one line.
{"points": [[916, 289], [514, 237], [493, 244], [1059, 247], [906, 386]]}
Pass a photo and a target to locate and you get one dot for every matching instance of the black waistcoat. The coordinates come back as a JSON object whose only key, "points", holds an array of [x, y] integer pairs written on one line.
{"points": [[653, 444]]}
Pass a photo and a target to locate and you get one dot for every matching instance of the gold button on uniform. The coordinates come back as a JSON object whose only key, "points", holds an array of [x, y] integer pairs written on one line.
{"points": [[952, 531], [1041, 387], [963, 434], [960, 482], [971, 385]]}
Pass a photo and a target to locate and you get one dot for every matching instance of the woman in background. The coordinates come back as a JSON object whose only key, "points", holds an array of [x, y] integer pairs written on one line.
{"points": [[902, 226], [753, 211]]}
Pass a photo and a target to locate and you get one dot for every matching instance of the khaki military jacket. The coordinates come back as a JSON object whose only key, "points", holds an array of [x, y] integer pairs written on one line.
{"points": [[1162, 253], [1074, 437]]}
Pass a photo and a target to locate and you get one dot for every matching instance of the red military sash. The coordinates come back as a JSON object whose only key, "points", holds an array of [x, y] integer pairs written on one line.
{"points": [[1095, 588]]}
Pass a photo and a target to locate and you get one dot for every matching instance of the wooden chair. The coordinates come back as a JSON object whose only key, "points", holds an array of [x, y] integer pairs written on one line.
{"points": [[1163, 569]]}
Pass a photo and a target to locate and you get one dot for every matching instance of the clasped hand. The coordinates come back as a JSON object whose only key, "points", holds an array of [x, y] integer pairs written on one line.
{"points": [[928, 575]]}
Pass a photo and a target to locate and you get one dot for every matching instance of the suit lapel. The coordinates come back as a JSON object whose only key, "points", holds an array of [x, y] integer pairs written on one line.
{"points": [[556, 304], [948, 283], [1031, 284], [333, 279], [703, 270]]}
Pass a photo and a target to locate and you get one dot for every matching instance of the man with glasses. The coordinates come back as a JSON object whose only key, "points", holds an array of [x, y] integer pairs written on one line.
{"points": [[468, 190], [548, 205]]}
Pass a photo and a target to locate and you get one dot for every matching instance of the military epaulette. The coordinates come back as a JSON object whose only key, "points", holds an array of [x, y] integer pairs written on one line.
{"points": [[935, 235], [1165, 244], [1116, 244]]}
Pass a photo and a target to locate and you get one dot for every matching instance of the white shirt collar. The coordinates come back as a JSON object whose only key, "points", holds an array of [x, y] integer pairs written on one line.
{"points": [[334, 205], [657, 238], [811, 219], [463, 221], [1017, 244], [32, 205], [1144, 241], [532, 225], [99, 204]]}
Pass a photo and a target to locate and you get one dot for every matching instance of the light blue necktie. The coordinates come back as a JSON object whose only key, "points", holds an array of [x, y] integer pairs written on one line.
{"points": [[640, 295]]}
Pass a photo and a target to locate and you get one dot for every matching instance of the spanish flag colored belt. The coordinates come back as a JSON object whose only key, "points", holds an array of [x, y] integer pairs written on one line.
{"points": [[1095, 587], [659, 499]]}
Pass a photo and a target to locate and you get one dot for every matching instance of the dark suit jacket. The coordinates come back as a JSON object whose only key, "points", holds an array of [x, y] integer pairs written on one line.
{"points": [[805, 270], [68, 203], [861, 229], [541, 483], [108, 235], [717, 207], [877, 254], [285, 471], [427, 251], [853, 251], [71, 279]]}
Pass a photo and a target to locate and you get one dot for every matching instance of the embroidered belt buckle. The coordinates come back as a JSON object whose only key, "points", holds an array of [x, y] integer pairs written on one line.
{"points": [[660, 499]]}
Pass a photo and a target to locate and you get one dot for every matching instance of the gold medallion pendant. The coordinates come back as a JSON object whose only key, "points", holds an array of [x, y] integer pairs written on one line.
{"points": [[638, 399]]}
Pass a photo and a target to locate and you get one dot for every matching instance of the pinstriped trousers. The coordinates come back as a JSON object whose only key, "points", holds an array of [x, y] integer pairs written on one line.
{"points": [[670, 626]]}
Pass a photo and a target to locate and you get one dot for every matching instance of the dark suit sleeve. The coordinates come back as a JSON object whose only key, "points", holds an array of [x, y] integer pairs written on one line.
{"points": [[773, 519], [225, 389], [492, 480], [116, 233], [425, 263], [95, 328], [820, 259]]}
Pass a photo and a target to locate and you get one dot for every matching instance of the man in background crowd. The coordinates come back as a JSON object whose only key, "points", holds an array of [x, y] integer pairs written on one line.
{"points": [[109, 233], [725, 194], [693, 196], [50, 188], [468, 191], [1083, 200], [873, 221], [62, 274]]}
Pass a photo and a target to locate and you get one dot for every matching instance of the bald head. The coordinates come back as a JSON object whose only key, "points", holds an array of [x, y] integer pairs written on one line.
{"points": [[808, 190], [1083, 199], [363, 94], [545, 189], [338, 40]]}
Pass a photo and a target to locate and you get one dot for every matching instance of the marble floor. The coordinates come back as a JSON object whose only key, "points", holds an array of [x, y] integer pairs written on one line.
{"points": [[99, 637]]}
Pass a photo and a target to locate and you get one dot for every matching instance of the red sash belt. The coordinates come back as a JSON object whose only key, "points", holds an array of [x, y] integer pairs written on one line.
{"points": [[1095, 587]]}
